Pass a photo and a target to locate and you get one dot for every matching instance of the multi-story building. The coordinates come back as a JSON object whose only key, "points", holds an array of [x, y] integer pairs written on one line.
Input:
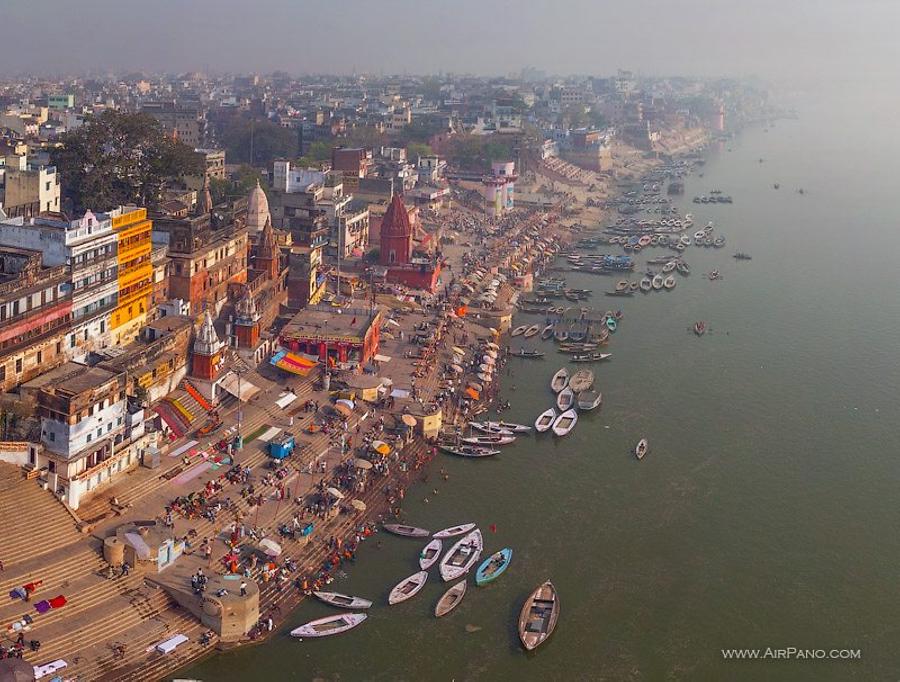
{"points": [[135, 272], [35, 315], [28, 188], [185, 121]]}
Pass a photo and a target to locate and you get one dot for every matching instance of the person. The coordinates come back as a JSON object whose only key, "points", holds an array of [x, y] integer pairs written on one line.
{"points": [[125, 569], [243, 589]]}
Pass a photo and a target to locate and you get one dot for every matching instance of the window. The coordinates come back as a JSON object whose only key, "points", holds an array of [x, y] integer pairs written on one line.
{"points": [[18, 365], [72, 341], [58, 347], [2, 372], [40, 357], [102, 326], [52, 436], [90, 437]]}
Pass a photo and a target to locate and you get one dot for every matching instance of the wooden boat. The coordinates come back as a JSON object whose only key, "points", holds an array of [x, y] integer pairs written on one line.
{"points": [[646, 284], [641, 448], [561, 335], [430, 554], [547, 332], [493, 567], [343, 601], [406, 531], [408, 587], [488, 440], [657, 282], [622, 285], [565, 422], [531, 331], [518, 331], [588, 400], [467, 450], [565, 398], [545, 420], [462, 556], [560, 380], [618, 293], [611, 324], [742, 256], [671, 265], [507, 427], [591, 357], [451, 599], [582, 380], [486, 427], [453, 531], [669, 282], [700, 328], [684, 268], [330, 625], [635, 286], [522, 353], [539, 615]]}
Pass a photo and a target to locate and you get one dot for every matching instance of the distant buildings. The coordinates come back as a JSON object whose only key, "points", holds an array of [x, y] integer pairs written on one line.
{"points": [[27, 189], [185, 121]]}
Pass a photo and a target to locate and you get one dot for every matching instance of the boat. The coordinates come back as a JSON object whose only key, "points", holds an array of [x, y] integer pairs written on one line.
{"points": [[506, 427], [565, 422], [560, 380], [467, 450], [658, 282], [408, 587], [343, 601], [742, 256], [588, 400], [669, 282], [671, 265], [453, 531], [565, 398], [591, 357], [684, 268], [330, 625], [451, 599], [611, 324], [488, 440], [582, 380], [406, 531], [641, 448], [560, 335], [430, 554], [646, 284], [700, 328], [490, 427], [518, 331], [531, 331], [539, 615], [462, 556], [545, 420], [547, 332], [522, 353], [719, 242], [635, 286], [622, 285], [493, 567]]}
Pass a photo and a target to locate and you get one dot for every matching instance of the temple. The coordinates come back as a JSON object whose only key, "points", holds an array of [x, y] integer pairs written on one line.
{"points": [[417, 267]]}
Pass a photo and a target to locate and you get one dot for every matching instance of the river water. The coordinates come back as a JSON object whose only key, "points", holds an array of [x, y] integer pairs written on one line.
{"points": [[765, 514]]}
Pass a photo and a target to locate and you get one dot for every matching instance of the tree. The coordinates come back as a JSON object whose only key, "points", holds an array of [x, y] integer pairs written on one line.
{"points": [[269, 140], [120, 158], [417, 149], [318, 152]]}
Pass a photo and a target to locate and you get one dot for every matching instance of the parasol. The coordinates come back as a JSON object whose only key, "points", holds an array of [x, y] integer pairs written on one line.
{"points": [[337, 494], [408, 419], [270, 547], [362, 464], [358, 504]]}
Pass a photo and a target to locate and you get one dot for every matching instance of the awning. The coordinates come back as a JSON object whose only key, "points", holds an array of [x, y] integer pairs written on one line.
{"points": [[382, 358], [269, 547], [293, 363], [337, 494], [362, 463], [408, 419], [400, 393], [241, 389], [286, 399], [140, 546], [358, 504]]}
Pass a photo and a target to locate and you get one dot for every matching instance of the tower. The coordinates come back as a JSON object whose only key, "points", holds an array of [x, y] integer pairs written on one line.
{"points": [[396, 234], [207, 360], [257, 210], [268, 255], [246, 321]]}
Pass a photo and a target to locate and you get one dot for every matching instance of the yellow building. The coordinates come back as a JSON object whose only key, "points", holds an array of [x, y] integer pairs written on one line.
{"points": [[133, 231]]}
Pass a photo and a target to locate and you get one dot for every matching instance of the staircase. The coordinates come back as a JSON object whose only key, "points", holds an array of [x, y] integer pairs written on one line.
{"points": [[181, 411]]}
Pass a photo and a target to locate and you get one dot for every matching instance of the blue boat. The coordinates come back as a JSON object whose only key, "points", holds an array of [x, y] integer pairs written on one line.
{"points": [[611, 324], [493, 567]]}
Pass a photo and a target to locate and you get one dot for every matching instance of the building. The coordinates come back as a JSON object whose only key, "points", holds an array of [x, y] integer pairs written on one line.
{"points": [[334, 335], [28, 188], [352, 163], [135, 272], [499, 187], [214, 164], [403, 266], [61, 102], [185, 122], [35, 315], [257, 211]]}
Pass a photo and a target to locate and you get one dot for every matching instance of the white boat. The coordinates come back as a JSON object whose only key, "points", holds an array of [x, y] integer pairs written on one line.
{"points": [[669, 282], [565, 399], [545, 420], [646, 284], [511, 427], [547, 332], [699, 235], [331, 625], [658, 282], [588, 400], [641, 448], [668, 267], [462, 556], [485, 427], [565, 422], [495, 439], [531, 331], [343, 601], [408, 587], [582, 380], [518, 331], [560, 380], [430, 554], [453, 531], [406, 531]]}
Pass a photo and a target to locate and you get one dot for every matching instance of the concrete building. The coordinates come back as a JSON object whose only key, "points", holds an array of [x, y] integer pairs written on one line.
{"points": [[28, 188], [185, 121], [135, 272]]}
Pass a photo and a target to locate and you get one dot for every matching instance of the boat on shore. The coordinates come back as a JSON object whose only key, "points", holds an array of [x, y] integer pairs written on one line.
{"points": [[406, 531], [453, 531], [493, 567], [560, 380], [430, 554], [342, 601], [451, 599], [565, 398], [565, 422], [467, 450], [591, 357], [539, 616], [589, 400], [408, 588], [462, 556], [330, 625], [641, 448], [582, 380], [545, 420]]}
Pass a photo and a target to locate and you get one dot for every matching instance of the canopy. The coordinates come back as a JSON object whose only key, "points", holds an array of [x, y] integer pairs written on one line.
{"points": [[336, 493], [346, 402], [381, 447], [486, 378], [293, 363], [408, 419], [343, 409], [382, 358], [392, 321], [472, 393], [400, 393], [485, 368], [358, 504], [240, 388], [270, 547], [491, 353], [476, 385], [492, 345], [488, 360], [362, 464]]}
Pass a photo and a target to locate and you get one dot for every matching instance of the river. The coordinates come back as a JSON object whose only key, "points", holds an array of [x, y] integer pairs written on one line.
{"points": [[765, 514]]}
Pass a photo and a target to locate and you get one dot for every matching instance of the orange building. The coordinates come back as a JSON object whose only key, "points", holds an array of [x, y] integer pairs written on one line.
{"points": [[135, 272]]}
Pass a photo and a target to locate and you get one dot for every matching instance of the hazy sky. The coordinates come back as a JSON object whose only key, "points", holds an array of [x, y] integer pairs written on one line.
{"points": [[770, 38]]}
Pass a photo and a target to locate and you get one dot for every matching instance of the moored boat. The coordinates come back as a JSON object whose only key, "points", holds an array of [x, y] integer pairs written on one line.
{"points": [[488, 440], [330, 625], [467, 450], [450, 599], [611, 324], [588, 400], [657, 282], [547, 332], [560, 380], [408, 587], [531, 331], [669, 282], [700, 328], [430, 554], [646, 284], [582, 380], [493, 567], [565, 422], [591, 357], [462, 556], [545, 420], [565, 398], [641, 448], [406, 531], [343, 601], [522, 353], [539, 616], [453, 531], [518, 331]]}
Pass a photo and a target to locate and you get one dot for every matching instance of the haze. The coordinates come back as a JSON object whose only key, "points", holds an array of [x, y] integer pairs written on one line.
{"points": [[769, 38]]}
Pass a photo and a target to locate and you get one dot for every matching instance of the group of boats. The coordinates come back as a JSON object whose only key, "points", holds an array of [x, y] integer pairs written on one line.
{"points": [[490, 436], [715, 197], [572, 392]]}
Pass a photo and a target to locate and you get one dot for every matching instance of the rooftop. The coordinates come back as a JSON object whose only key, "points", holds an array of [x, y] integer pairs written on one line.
{"points": [[330, 323], [71, 378]]}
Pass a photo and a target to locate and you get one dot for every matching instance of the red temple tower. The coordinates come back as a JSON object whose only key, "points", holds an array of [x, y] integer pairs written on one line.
{"points": [[268, 254], [246, 321], [396, 234], [208, 347]]}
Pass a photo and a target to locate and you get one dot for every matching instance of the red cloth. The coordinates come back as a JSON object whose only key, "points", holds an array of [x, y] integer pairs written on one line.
{"points": [[58, 601]]}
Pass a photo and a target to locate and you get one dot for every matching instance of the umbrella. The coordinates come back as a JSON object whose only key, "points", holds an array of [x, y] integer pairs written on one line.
{"points": [[336, 493], [457, 349], [476, 386], [381, 447], [358, 504], [488, 360], [472, 393], [270, 547], [408, 419], [457, 369], [343, 409], [344, 401], [362, 464], [493, 331], [486, 378], [487, 369], [492, 345], [393, 322]]}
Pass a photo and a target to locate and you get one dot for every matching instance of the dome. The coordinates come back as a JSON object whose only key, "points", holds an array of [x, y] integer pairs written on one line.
{"points": [[257, 209]]}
